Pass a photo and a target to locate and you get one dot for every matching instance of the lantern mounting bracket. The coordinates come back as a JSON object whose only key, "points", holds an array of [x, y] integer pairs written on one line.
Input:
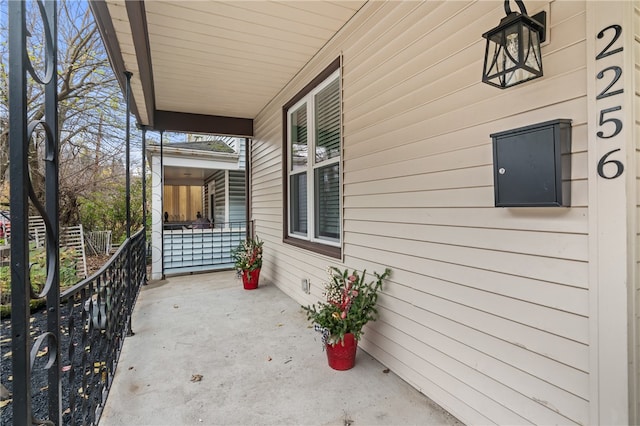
{"points": [[540, 17]]}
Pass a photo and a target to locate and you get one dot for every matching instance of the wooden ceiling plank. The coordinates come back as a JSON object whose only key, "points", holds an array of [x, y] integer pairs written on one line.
{"points": [[343, 10], [165, 13], [297, 12], [220, 70], [293, 45], [218, 58], [244, 62], [170, 44], [241, 16]]}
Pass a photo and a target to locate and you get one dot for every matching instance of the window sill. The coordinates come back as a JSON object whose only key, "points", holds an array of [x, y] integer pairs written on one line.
{"points": [[323, 249]]}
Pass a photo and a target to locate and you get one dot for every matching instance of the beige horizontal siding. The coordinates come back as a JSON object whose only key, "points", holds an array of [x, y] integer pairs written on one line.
{"points": [[555, 220], [521, 358], [556, 245], [561, 271], [495, 381], [449, 197], [486, 311]]}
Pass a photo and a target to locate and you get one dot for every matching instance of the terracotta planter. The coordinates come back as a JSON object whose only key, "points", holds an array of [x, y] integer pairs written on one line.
{"points": [[250, 279], [342, 355]]}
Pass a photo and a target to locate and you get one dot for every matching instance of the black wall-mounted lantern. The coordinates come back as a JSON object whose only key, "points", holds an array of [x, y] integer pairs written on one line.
{"points": [[512, 55]]}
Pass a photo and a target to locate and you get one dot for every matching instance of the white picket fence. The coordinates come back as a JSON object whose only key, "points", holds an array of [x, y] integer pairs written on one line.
{"points": [[98, 242], [71, 237]]}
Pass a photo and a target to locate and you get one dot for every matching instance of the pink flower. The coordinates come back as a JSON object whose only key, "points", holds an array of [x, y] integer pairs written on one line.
{"points": [[344, 315], [352, 278]]}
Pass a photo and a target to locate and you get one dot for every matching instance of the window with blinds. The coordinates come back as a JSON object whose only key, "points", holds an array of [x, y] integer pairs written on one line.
{"points": [[327, 108], [327, 202], [298, 159], [314, 200]]}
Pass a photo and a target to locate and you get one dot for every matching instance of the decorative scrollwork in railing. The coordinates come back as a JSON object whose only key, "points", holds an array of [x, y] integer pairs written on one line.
{"points": [[51, 234], [98, 313], [21, 134]]}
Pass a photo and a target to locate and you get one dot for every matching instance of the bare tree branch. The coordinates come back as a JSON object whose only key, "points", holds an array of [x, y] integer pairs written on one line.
{"points": [[90, 110]]}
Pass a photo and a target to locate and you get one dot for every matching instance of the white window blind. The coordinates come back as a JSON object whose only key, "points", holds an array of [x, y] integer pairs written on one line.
{"points": [[314, 125]]}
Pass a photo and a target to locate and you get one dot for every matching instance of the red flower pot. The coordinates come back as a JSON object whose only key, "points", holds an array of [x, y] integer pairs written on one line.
{"points": [[342, 355], [250, 279]]}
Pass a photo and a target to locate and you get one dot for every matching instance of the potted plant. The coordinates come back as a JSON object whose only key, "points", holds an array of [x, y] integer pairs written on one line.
{"points": [[350, 305], [248, 261]]}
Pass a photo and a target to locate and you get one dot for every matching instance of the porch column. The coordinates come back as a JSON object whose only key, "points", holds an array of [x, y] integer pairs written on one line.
{"points": [[157, 218], [612, 212]]}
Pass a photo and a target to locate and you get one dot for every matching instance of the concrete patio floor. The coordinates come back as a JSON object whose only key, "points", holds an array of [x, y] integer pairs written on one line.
{"points": [[206, 351]]}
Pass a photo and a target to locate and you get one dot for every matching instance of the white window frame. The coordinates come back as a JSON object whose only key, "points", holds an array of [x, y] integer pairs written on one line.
{"points": [[309, 99]]}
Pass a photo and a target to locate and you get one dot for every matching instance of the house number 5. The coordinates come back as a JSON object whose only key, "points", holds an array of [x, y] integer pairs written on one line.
{"points": [[609, 126]]}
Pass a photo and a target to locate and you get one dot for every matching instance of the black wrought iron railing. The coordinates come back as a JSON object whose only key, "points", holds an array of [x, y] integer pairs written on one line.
{"points": [[63, 359], [95, 318]]}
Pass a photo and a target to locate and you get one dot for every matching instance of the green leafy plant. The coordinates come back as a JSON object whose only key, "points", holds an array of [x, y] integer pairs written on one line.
{"points": [[38, 276], [350, 304], [248, 255]]}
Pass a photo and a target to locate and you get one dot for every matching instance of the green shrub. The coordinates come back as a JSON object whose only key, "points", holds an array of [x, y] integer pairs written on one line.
{"points": [[38, 275]]}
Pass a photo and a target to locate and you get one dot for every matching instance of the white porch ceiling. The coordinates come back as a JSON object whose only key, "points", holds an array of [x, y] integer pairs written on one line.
{"points": [[185, 175], [219, 58]]}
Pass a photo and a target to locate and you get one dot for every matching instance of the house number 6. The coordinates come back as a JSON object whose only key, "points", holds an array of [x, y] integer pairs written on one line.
{"points": [[609, 126]]}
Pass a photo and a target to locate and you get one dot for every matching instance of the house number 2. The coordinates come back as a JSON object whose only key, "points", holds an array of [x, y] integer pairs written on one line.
{"points": [[609, 126]]}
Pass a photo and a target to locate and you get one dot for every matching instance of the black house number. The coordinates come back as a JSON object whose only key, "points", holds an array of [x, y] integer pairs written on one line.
{"points": [[609, 125]]}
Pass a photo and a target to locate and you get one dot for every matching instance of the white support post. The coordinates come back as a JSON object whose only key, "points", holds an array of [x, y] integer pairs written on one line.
{"points": [[226, 196], [612, 206], [157, 218]]}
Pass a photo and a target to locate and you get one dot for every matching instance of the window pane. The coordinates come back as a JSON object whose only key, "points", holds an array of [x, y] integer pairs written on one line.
{"points": [[298, 204], [299, 138], [327, 206], [328, 122]]}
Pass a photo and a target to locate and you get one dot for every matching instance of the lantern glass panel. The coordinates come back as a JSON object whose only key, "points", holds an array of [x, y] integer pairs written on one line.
{"points": [[512, 54], [532, 49]]}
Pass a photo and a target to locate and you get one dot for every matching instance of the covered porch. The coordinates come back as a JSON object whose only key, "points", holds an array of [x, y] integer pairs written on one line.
{"points": [[198, 208], [208, 352], [372, 143]]}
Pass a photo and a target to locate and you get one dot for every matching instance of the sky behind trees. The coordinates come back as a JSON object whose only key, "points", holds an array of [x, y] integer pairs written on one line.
{"points": [[91, 110]]}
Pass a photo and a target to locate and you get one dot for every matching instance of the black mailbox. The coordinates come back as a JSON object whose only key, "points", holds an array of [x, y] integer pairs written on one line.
{"points": [[532, 165]]}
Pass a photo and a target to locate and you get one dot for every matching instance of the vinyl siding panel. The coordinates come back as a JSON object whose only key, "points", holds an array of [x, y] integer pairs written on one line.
{"points": [[486, 310]]}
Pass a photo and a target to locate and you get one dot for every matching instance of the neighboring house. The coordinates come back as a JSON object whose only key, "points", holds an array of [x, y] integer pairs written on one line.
{"points": [[201, 176], [500, 315]]}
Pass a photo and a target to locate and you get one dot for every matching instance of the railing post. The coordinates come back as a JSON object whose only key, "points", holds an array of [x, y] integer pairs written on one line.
{"points": [[162, 203], [52, 218], [19, 211], [20, 133], [144, 198], [130, 284], [128, 151]]}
